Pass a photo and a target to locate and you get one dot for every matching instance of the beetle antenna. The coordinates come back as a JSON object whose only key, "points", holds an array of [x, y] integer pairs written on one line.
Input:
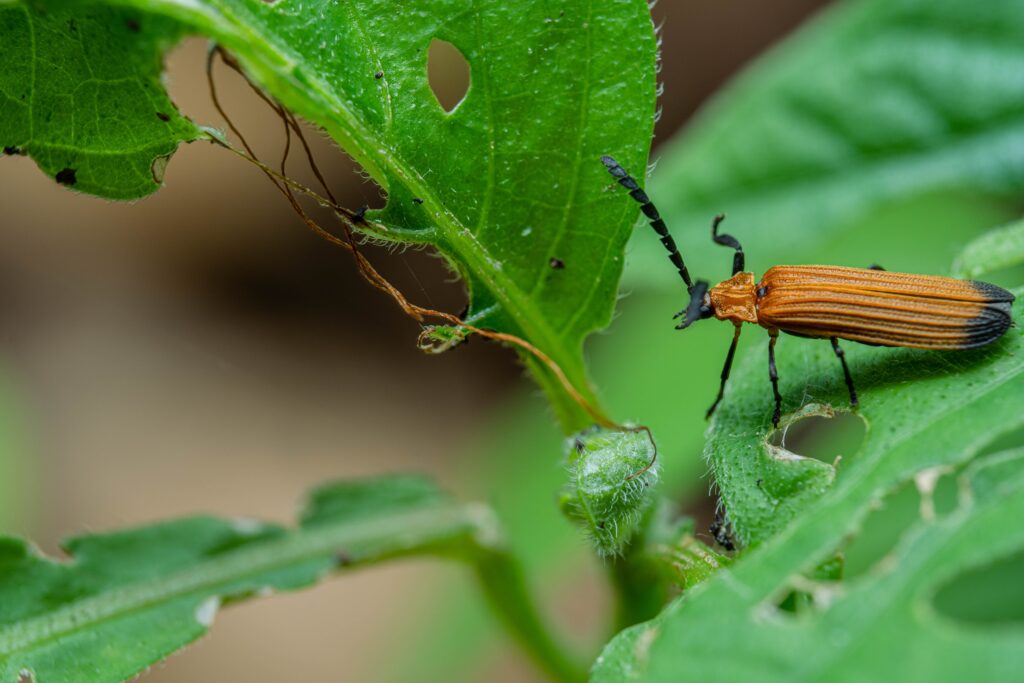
{"points": [[652, 214], [728, 241]]}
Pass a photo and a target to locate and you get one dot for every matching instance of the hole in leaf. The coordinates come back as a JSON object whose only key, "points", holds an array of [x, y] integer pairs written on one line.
{"points": [[985, 595], [938, 491], [1004, 442], [67, 176], [448, 74], [811, 592], [824, 436], [882, 530], [159, 168], [929, 496]]}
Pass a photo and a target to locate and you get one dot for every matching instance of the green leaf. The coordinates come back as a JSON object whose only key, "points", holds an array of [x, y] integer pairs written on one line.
{"points": [[992, 251], [871, 102], [80, 93], [506, 182], [128, 599], [910, 399], [900, 622], [646, 369], [928, 413]]}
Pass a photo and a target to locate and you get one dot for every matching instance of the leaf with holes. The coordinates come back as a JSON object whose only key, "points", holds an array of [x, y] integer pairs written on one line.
{"points": [[871, 102], [508, 184], [128, 599], [925, 614], [80, 93], [928, 414]]}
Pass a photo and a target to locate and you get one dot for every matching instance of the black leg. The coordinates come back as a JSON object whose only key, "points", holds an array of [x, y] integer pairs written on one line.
{"points": [[725, 373], [846, 371], [773, 374], [728, 241]]}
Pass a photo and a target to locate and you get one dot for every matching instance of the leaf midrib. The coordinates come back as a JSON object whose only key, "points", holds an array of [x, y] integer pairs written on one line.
{"points": [[389, 535], [347, 127]]}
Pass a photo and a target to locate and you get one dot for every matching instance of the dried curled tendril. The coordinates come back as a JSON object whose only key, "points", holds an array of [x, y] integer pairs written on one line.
{"points": [[434, 338]]}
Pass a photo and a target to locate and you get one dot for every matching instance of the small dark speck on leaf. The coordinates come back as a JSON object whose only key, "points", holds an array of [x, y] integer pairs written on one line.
{"points": [[760, 482], [12, 151], [67, 176], [133, 25], [343, 559], [379, 75], [72, 26], [417, 200], [162, 116], [556, 263]]}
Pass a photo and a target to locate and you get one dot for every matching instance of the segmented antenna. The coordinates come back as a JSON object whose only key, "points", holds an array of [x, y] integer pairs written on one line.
{"points": [[728, 241], [651, 212]]}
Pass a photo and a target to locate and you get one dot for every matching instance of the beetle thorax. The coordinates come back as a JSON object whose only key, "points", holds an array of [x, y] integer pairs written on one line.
{"points": [[734, 299]]}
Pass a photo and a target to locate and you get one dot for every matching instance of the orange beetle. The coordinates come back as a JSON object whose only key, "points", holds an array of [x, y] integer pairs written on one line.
{"points": [[866, 305]]}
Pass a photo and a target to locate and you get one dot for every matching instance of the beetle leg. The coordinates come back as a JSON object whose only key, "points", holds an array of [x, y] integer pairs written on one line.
{"points": [[773, 375], [725, 372], [841, 355], [728, 241]]}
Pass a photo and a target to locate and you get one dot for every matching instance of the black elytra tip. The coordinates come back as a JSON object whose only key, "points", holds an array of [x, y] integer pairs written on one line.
{"points": [[556, 263], [67, 176]]}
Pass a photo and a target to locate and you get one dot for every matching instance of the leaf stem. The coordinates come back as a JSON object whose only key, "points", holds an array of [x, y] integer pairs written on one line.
{"points": [[506, 589]]}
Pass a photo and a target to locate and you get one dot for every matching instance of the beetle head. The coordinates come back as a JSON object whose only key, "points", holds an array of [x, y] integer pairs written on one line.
{"points": [[699, 306]]}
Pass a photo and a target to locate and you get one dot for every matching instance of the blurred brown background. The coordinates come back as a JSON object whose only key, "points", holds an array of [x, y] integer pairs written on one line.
{"points": [[201, 351]]}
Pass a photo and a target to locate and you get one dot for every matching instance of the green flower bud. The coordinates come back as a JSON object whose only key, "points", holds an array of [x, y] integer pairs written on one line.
{"points": [[611, 474]]}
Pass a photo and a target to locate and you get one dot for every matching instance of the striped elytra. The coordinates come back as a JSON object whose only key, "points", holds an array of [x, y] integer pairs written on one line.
{"points": [[881, 307], [866, 305]]}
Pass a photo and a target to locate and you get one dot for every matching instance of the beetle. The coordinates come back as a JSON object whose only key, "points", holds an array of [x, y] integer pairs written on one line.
{"points": [[866, 305]]}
